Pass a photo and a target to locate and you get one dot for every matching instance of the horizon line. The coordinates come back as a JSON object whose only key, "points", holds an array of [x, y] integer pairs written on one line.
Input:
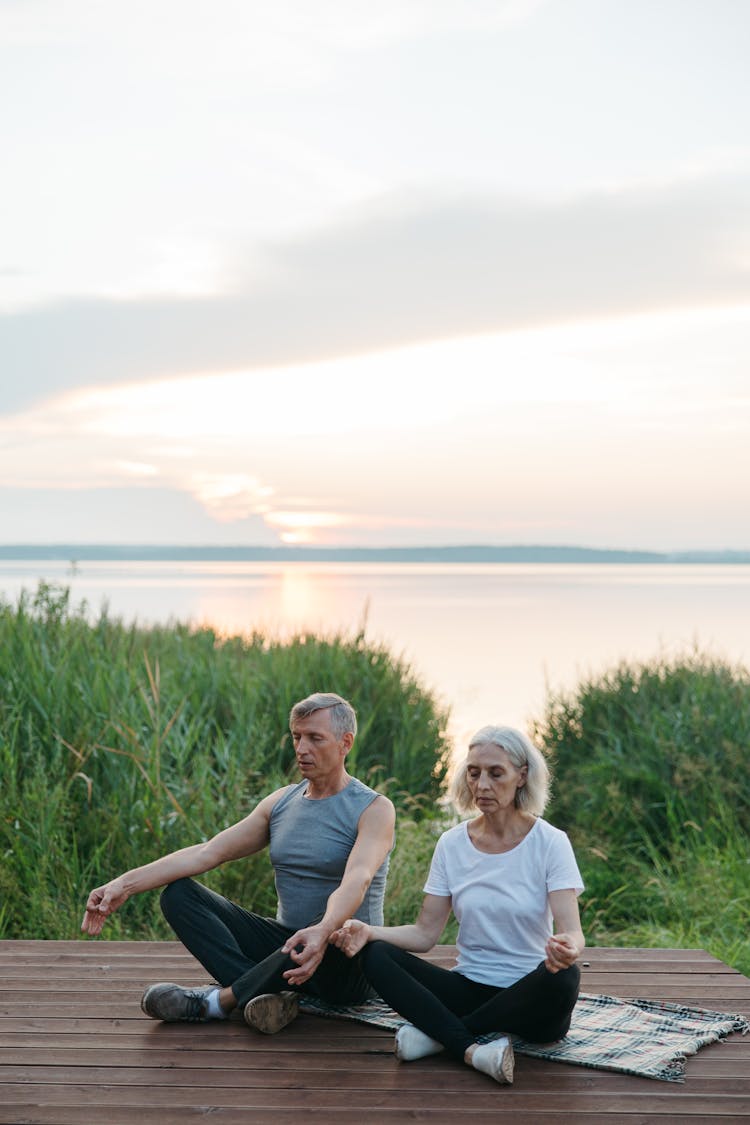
{"points": [[467, 552]]}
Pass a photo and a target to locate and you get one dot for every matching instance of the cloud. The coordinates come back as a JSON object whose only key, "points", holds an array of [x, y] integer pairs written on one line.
{"points": [[119, 515], [409, 270], [335, 23], [230, 497]]}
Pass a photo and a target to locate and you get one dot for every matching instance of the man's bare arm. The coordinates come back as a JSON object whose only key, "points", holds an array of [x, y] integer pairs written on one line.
{"points": [[244, 838]]}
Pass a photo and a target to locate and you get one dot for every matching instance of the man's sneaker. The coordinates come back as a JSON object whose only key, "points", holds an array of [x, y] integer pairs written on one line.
{"points": [[411, 1043], [171, 1003], [496, 1059], [271, 1011]]}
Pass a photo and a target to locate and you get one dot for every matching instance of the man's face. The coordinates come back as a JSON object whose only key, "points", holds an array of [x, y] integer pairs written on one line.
{"points": [[319, 752]]}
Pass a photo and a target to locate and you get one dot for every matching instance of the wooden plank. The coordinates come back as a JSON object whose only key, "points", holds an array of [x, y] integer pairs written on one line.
{"points": [[83, 946], [732, 1056], [163, 954], [144, 1115], [24, 977], [430, 1106], [368, 1080], [454, 1081]]}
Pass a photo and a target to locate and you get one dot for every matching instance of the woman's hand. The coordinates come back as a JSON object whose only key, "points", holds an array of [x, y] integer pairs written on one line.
{"points": [[102, 902], [561, 952], [351, 937]]}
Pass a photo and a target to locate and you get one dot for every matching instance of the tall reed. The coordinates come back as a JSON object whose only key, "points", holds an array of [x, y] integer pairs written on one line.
{"points": [[119, 743], [651, 781]]}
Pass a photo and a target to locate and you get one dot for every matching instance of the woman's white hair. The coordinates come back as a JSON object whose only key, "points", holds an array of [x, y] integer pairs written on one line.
{"points": [[533, 795]]}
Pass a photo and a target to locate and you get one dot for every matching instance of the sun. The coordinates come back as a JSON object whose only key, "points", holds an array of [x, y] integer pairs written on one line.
{"points": [[302, 528]]}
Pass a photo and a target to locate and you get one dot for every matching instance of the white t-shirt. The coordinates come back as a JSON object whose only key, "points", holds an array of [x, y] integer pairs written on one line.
{"points": [[500, 901]]}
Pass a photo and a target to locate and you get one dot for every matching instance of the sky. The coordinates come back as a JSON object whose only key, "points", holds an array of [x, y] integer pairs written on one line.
{"points": [[419, 272]]}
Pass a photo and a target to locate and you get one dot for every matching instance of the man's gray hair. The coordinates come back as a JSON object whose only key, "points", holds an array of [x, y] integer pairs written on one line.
{"points": [[343, 715], [533, 795]]}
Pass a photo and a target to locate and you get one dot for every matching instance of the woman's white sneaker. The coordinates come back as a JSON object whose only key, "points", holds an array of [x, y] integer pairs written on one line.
{"points": [[411, 1043], [495, 1059]]}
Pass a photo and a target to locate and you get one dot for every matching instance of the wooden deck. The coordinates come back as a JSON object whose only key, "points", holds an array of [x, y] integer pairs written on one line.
{"points": [[75, 1049]]}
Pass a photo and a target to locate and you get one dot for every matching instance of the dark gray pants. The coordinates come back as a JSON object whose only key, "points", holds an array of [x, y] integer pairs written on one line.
{"points": [[242, 950]]}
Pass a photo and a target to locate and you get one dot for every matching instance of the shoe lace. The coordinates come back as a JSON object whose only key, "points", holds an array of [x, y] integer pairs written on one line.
{"points": [[195, 1005]]}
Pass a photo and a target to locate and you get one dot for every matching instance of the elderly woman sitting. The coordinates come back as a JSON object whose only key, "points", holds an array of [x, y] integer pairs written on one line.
{"points": [[512, 881]]}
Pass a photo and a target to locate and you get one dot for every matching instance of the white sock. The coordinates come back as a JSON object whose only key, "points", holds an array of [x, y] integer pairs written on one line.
{"points": [[214, 1010]]}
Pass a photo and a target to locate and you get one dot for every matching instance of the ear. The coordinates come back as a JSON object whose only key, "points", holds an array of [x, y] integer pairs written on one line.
{"points": [[524, 776], [347, 741]]}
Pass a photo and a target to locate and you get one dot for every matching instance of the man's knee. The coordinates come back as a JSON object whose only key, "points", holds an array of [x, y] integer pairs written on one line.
{"points": [[174, 896]]}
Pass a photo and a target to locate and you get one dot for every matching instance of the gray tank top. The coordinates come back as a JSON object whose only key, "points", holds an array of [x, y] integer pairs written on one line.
{"points": [[310, 845]]}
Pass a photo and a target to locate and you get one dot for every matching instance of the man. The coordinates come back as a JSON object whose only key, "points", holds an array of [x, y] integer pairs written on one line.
{"points": [[329, 837]]}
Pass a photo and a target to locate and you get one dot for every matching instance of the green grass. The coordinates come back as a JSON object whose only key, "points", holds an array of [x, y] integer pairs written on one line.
{"points": [[698, 896]]}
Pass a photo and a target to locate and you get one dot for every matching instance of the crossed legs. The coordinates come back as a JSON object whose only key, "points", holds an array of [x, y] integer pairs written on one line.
{"points": [[242, 950], [454, 1010]]}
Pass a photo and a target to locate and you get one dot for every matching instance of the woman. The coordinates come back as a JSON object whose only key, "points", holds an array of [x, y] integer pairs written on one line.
{"points": [[512, 881]]}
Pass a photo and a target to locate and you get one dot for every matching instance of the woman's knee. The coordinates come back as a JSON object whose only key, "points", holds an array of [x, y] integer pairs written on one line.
{"points": [[566, 984], [375, 954], [569, 983]]}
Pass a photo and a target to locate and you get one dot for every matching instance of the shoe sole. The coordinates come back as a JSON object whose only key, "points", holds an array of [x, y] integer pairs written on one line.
{"points": [[507, 1066], [270, 1013]]}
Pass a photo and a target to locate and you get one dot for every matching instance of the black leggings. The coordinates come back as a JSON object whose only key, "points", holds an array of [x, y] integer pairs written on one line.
{"points": [[243, 950], [455, 1010]]}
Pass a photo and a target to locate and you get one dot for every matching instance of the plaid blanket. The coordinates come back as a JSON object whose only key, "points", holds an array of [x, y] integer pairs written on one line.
{"points": [[649, 1038]]}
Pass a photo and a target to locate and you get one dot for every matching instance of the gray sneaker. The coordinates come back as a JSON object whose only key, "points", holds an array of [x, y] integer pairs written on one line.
{"points": [[171, 1003], [271, 1011]]}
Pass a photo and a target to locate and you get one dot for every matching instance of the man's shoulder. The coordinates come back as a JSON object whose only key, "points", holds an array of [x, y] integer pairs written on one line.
{"points": [[357, 792], [275, 799], [381, 805], [356, 785], [377, 809]]}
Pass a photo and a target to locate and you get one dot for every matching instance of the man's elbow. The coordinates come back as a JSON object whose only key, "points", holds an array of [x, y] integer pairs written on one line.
{"points": [[212, 853]]}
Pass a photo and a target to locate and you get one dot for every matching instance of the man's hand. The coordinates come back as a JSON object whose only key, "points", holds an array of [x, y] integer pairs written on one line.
{"points": [[307, 948], [561, 952], [102, 902], [353, 936]]}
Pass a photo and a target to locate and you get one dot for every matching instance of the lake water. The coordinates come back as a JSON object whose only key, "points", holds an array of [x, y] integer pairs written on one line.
{"points": [[490, 640]]}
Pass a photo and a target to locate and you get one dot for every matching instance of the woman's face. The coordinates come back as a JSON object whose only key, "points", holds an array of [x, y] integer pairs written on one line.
{"points": [[492, 778]]}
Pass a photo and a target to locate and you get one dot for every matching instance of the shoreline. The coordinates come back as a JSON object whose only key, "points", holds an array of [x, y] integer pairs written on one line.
{"points": [[103, 552]]}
